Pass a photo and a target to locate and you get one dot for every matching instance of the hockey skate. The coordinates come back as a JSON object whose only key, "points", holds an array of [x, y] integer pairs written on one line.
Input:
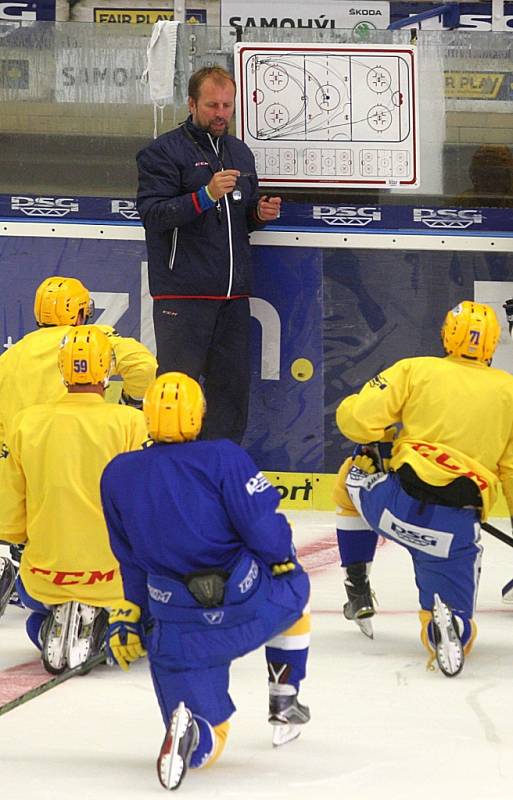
{"points": [[54, 637], [286, 714], [177, 748], [360, 598], [16, 551], [86, 633], [8, 574], [507, 593], [448, 646]]}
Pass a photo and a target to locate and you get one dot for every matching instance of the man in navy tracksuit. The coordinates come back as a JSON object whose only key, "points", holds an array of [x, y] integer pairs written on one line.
{"points": [[198, 200], [202, 549]]}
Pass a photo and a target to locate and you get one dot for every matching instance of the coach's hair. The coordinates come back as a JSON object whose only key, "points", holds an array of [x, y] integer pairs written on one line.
{"points": [[218, 75]]}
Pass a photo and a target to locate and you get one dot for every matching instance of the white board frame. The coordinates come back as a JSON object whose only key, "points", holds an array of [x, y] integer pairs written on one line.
{"points": [[351, 123]]}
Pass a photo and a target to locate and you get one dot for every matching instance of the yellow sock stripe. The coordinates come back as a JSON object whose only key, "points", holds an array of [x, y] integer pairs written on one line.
{"points": [[221, 734], [300, 627], [425, 618], [297, 637], [470, 644]]}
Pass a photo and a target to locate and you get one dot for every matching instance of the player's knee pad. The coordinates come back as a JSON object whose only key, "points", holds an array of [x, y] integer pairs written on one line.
{"points": [[467, 630], [211, 743]]}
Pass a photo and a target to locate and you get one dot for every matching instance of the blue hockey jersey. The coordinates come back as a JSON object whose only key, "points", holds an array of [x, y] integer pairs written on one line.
{"points": [[173, 509]]}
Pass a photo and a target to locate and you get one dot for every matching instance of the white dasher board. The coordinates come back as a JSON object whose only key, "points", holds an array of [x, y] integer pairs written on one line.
{"points": [[326, 116]]}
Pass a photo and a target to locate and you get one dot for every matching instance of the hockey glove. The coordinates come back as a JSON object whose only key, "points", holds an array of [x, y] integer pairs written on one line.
{"points": [[340, 493], [126, 400], [125, 635], [380, 452]]}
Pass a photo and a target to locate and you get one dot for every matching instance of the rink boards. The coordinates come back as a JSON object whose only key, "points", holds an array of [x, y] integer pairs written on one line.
{"points": [[329, 310]]}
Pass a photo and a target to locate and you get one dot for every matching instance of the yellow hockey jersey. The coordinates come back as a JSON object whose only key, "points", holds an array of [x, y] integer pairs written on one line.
{"points": [[29, 373], [457, 418], [57, 453]]}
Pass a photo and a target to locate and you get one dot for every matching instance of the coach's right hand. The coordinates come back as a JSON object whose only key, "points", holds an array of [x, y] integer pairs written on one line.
{"points": [[223, 183]]}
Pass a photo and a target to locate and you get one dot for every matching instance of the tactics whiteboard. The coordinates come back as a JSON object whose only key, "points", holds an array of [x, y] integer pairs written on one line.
{"points": [[343, 115]]}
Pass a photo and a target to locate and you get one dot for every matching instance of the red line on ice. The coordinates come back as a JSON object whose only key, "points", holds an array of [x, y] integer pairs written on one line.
{"points": [[323, 553], [21, 678]]}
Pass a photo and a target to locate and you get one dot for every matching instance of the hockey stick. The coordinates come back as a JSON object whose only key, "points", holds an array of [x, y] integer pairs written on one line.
{"points": [[100, 658], [497, 533]]}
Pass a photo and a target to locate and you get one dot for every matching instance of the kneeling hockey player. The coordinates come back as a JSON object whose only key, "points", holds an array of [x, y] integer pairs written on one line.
{"points": [[51, 501], [195, 528], [454, 448], [29, 373]]}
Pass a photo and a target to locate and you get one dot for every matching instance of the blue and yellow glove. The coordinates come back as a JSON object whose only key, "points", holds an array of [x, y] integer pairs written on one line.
{"points": [[380, 452], [340, 493], [125, 634]]}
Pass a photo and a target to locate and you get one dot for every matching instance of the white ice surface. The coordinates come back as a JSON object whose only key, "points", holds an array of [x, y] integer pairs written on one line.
{"points": [[383, 728]]}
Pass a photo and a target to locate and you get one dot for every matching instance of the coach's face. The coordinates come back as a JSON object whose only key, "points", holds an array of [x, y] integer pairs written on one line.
{"points": [[215, 106]]}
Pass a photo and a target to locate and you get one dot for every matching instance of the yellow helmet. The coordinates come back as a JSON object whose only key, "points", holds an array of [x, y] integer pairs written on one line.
{"points": [[174, 407], [59, 300], [86, 356], [471, 330]]}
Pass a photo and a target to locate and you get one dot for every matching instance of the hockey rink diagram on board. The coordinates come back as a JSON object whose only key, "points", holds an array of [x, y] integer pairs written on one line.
{"points": [[339, 116]]}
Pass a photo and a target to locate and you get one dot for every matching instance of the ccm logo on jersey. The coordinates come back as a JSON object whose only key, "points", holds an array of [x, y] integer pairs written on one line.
{"points": [[249, 579], [257, 484], [437, 543], [61, 578], [446, 461], [158, 595]]}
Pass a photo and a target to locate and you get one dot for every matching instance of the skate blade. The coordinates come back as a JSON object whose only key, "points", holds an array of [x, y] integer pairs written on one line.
{"points": [[79, 637], [449, 651], [54, 649], [365, 626], [282, 734], [171, 765], [7, 569], [507, 593]]}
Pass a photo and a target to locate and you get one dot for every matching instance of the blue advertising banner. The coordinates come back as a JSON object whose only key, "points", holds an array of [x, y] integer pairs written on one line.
{"points": [[28, 11], [314, 217], [67, 209], [473, 16]]}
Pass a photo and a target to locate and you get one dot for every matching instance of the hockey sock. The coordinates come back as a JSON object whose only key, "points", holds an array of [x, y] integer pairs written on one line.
{"points": [[290, 650], [210, 744], [356, 546], [33, 627], [467, 630]]}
